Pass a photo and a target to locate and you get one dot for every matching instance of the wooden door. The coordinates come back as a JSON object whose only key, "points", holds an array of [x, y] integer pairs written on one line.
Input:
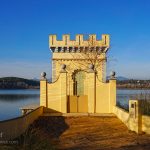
{"points": [[77, 104]]}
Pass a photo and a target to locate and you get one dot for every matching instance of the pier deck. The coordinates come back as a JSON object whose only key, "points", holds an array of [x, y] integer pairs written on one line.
{"points": [[90, 133]]}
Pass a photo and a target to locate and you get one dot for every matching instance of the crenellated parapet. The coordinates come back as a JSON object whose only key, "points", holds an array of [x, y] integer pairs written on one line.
{"points": [[79, 44]]}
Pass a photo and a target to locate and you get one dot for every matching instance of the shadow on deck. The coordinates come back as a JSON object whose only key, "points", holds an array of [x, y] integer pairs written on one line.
{"points": [[89, 132]]}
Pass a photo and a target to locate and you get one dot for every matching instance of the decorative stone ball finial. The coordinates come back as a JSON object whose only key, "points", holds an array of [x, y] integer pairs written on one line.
{"points": [[63, 68], [91, 68], [43, 75], [112, 75]]}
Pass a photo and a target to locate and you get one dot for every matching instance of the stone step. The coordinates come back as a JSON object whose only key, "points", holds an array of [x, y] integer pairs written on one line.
{"points": [[79, 114]]}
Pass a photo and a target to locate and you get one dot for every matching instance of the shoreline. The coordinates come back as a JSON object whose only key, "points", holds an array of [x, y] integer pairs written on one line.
{"points": [[133, 88], [39, 88], [20, 89]]}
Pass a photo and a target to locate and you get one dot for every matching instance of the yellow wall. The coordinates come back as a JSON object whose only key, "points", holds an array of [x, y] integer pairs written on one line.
{"points": [[15, 127], [112, 94], [56, 94], [133, 119], [105, 96], [54, 97], [91, 91], [76, 61], [122, 115], [146, 124], [66, 42], [102, 98], [43, 92], [126, 118]]}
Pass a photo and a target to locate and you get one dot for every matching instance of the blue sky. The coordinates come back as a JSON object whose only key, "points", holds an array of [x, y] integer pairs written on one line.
{"points": [[26, 24]]}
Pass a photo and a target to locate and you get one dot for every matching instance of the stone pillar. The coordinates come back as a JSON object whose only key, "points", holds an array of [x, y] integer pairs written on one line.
{"points": [[112, 91], [91, 90], [112, 94], [135, 116], [63, 88], [43, 90]]}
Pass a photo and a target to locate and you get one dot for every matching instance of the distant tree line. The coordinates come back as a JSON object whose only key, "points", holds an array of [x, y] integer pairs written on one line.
{"points": [[21, 83], [133, 84], [18, 83]]}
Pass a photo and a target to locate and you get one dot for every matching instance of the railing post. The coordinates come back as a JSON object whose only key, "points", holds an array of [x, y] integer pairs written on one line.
{"points": [[63, 88], [135, 116], [112, 94], [43, 90], [91, 90]]}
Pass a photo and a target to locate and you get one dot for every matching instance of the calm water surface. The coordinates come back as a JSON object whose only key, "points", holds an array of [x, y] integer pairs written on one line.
{"points": [[12, 100], [123, 96]]}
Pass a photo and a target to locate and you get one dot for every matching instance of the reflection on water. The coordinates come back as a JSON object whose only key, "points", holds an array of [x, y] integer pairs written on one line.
{"points": [[12, 100], [15, 97]]}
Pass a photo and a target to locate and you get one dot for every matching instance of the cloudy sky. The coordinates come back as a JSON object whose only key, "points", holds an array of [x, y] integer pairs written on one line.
{"points": [[26, 24]]}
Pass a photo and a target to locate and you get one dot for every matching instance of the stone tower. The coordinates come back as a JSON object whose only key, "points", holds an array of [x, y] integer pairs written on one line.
{"points": [[77, 55], [79, 75]]}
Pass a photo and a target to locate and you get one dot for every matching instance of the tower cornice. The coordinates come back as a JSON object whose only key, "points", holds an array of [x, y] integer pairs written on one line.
{"points": [[79, 44]]}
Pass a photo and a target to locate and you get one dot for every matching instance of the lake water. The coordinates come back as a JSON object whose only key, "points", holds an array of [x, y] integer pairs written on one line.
{"points": [[123, 96], [12, 100]]}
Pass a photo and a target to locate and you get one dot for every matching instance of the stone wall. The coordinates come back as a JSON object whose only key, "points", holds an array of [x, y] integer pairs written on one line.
{"points": [[101, 97], [54, 95], [13, 128], [77, 61], [134, 119], [105, 96], [79, 41]]}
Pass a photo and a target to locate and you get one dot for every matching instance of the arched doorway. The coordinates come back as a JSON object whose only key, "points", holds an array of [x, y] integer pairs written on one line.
{"points": [[78, 102], [79, 83]]}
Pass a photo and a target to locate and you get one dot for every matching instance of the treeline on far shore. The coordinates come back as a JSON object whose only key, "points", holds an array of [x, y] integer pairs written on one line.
{"points": [[133, 84], [21, 83], [18, 83]]}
